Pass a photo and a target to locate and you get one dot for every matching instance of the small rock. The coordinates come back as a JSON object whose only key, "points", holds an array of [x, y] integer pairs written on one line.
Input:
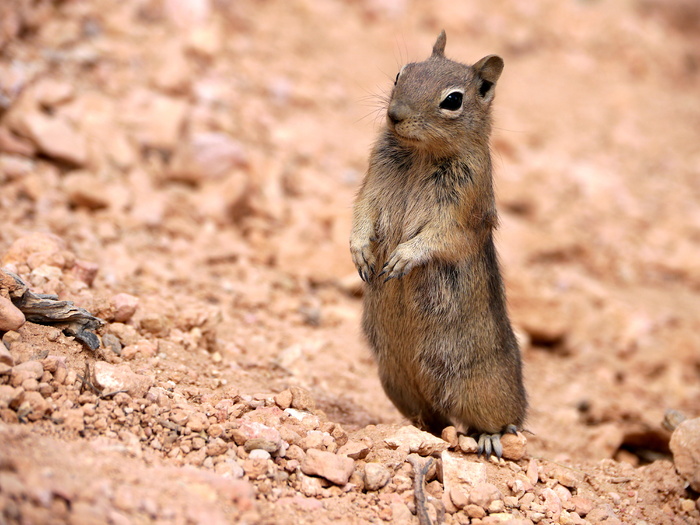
{"points": [[581, 505], [11, 317], [301, 399], [259, 454], [197, 422], [154, 119], [112, 378], [56, 138], [85, 190], [456, 469], [284, 399], [125, 306], [261, 444], [410, 440], [49, 92], [459, 495], [376, 476], [687, 505], [355, 449], [143, 348], [30, 369], [49, 247], [532, 471], [496, 506], [9, 395], [483, 494], [400, 513], [468, 444], [685, 446], [474, 511], [552, 503], [333, 467], [85, 271], [601, 514], [33, 406], [567, 477], [563, 493], [449, 434], [511, 502], [514, 446], [207, 156], [261, 436], [216, 447], [5, 355]]}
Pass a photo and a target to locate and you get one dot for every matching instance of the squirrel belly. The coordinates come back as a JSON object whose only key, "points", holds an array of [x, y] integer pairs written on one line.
{"points": [[434, 309]]}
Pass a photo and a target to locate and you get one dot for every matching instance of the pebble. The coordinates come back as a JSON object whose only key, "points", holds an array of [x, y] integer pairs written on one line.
{"points": [[582, 505], [125, 307], [284, 399], [33, 406], [456, 470], [216, 447], [468, 444], [11, 317], [355, 449], [259, 454], [301, 399], [335, 468], [265, 437], [411, 440], [685, 446], [376, 476], [449, 434], [568, 477], [514, 446], [111, 378], [5, 355], [474, 511], [532, 471], [55, 137], [483, 494], [9, 395], [552, 503], [197, 422], [155, 119]]}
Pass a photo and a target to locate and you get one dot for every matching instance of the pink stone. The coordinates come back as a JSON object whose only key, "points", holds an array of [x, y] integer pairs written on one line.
{"points": [[56, 138], [333, 467], [11, 317]]}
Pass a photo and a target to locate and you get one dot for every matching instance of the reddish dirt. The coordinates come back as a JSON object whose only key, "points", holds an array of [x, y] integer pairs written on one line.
{"points": [[203, 157]]}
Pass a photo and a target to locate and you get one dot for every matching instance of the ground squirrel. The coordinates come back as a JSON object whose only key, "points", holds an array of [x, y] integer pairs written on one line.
{"points": [[422, 239]]}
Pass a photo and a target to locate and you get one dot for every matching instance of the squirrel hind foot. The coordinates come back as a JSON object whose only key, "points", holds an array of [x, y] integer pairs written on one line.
{"points": [[488, 444]]}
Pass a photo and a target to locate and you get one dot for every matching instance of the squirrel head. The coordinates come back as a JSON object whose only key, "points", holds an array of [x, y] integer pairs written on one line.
{"points": [[441, 106]]}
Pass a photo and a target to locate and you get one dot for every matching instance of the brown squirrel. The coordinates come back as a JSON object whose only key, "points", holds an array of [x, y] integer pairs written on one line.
{"points": [[422, 240]]}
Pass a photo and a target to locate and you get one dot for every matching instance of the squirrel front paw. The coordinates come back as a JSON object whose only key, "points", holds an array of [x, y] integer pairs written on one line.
{"points": [[363, 258], [402, 261]]}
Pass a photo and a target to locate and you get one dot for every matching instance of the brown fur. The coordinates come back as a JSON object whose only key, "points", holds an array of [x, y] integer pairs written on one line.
{"points": [[422, 238]]}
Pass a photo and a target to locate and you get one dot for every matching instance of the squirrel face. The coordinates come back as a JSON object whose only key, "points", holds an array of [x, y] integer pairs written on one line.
{"points": [[439, 105]]}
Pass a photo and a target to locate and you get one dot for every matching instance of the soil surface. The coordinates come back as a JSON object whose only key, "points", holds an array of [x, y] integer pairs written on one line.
{"points": [[185, 171]]}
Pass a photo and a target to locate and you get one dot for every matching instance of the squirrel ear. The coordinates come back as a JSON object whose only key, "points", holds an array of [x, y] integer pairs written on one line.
{"points": [[489, 68], [439, 47]]}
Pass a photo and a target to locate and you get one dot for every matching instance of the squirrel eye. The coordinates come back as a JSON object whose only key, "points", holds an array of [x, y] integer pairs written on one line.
{"points": [[397, 77], [452, 102]]}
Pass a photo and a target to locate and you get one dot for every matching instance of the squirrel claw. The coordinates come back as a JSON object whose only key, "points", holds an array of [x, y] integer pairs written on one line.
{"points": [[488, 444]]}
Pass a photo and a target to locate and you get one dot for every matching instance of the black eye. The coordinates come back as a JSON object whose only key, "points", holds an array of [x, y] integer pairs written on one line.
{"points": [[397, 77], [452, 102]]}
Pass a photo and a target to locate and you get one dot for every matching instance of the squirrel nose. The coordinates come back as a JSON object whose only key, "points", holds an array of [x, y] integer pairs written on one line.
{"points": [[397, 112]]}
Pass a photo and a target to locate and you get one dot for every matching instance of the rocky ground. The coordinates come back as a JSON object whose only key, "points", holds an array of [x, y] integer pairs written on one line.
{"points": [[184, 170]]}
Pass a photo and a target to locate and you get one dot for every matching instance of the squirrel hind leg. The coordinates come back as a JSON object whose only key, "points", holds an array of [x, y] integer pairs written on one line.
{"points": [[488, 444]]}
